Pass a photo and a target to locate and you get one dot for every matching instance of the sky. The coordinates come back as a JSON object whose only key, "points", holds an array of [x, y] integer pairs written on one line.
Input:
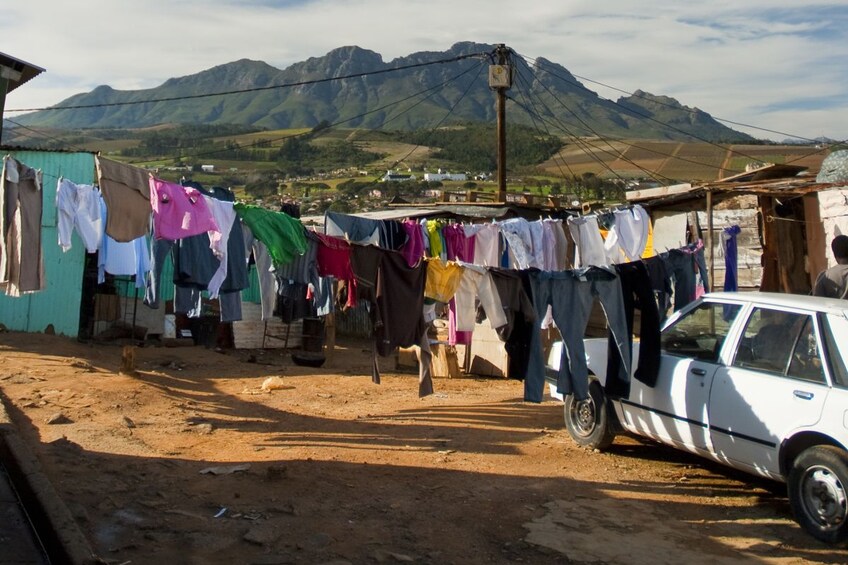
{"points": [[781, 65]]}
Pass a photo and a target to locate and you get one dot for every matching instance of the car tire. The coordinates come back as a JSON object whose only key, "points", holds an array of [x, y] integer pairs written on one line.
{"points": [[588, 421], [818, 492]]}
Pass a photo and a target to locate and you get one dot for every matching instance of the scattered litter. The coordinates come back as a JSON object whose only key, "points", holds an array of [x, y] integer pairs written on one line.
{"points": [[275, 383], [204, 428], [221, 512], [225, 470], [58, 418]]}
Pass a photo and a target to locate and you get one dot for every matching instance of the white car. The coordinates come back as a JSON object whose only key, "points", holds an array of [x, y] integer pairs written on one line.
{"points": [[757, 381]]}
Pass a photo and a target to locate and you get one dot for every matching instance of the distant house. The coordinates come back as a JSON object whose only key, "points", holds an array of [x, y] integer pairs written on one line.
{"points": [[392, 176], [443, 175], [207, 168]]}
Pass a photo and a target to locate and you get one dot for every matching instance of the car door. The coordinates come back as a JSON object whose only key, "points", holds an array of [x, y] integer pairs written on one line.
{"points": [[675, 409], [775, 384]]}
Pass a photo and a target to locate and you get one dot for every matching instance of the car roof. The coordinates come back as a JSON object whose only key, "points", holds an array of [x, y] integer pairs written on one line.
{"points": [[830, 305]]}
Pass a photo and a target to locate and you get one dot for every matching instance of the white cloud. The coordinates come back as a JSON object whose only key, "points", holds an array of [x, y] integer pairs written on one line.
{"points": [[744, 61]]}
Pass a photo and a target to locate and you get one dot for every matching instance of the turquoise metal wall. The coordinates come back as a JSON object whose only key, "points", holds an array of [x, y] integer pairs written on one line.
{"points": [[250, 294], [59, 303]]}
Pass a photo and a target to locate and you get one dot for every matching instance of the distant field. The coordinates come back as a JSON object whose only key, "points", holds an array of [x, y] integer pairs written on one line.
{"points": [[666, 160], [678, 161]]}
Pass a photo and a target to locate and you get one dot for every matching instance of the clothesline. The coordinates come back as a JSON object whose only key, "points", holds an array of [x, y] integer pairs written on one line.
{"points": [[521, 272]]}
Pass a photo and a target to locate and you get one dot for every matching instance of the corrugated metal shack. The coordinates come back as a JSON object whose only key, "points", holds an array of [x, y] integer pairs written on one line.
{"points": [[59, 304], [783, 213]]}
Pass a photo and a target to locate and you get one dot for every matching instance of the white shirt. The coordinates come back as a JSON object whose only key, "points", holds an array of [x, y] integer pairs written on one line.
{"points": [[590, 245], [78, 206], [225, 216]]}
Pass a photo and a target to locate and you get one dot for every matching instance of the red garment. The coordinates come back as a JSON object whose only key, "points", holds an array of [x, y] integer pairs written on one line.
{"points": [[334, 261]]}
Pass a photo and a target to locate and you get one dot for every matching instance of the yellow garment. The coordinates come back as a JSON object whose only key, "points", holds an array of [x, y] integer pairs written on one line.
{"points": [[649, 245], [434, 233], [442, 279]]}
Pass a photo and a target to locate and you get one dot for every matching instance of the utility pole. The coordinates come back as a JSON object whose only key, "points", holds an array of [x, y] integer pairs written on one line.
{"points": [[500, 79]]}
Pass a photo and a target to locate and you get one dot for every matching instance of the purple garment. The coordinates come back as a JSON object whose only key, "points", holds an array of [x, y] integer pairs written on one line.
{"points": [[413, 249], [462, 248], [458, 245]]}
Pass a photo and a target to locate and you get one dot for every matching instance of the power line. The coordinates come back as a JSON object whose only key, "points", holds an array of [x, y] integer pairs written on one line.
{"points": [[691, 111], [651, 118], [42, 134], [556, 157], [261, 142], [254, 89], [445, 117], [621, 155]]}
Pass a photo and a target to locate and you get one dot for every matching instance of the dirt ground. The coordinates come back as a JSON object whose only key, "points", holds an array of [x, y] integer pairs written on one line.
{"points": [[190, 461]]}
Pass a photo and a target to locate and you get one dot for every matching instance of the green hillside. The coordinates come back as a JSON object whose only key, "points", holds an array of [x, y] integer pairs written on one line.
{"points": [[546, 95]]}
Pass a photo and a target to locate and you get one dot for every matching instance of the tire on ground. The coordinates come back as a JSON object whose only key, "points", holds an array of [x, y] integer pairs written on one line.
{"points": [[818, 492], [589, 422]]}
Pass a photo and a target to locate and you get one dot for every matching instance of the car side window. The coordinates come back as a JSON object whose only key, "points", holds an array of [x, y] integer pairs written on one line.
{"points": [[806, 363], [780, 342], [837, 357], [701, 332]]}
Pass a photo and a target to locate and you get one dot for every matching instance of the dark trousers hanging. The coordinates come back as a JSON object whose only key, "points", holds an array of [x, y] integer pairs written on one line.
{"points": [[638, 293], [570, 295]]}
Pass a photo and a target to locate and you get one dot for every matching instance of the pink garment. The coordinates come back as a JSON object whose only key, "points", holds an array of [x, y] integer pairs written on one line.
{"points": [[459, 247], [179, 211], [413, 249]]}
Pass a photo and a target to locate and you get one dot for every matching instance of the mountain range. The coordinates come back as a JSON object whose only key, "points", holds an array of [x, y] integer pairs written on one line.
{"points": [[545, 94]]}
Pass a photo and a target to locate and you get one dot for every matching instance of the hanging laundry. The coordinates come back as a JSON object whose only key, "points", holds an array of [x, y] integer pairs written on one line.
{"points": [[590, 246], [283, 235], [685, 266], [458, 247], [334, 260], [413, 249], [121, 258], [392, 235], [225, 217], [628, 235], [486, 243], [179, 211], [355, 229], [434, 236], [78, 207], [515, 290], [571, 294], [554, 246], [264, 271], [21, 205], [731, 258], [518, 235], [442, 279], [731, 265], [126, 190], [395, 295], [638, 294], [477, 284]]}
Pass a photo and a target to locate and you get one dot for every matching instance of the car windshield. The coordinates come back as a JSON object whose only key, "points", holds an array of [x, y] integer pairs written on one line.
{"points": [[701, 332]]}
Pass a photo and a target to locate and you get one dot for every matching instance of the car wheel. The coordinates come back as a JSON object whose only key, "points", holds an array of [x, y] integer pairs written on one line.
{"points": [[588, 421], [818, 492]]}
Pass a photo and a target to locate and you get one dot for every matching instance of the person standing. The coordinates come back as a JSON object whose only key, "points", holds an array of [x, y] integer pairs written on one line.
{"points": [[833, 282]]}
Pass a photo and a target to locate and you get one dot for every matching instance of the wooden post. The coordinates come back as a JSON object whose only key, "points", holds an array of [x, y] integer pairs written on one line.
{"points": [[710, 239], [329, 336], [501, 145], [128, 360]]}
